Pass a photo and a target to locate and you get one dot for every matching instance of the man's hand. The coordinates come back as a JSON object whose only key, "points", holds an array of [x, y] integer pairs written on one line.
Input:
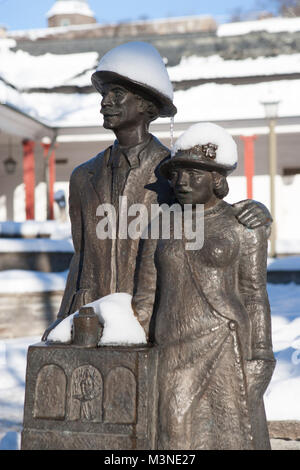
{"points": [[142, 319], [252, 214], [50, 328]]}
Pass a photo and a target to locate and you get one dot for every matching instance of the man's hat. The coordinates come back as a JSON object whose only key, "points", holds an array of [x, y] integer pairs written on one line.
{"points": [[205, 146], [139, 67]]}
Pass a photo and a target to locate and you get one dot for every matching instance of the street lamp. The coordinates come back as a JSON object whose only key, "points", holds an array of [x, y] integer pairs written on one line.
{"points": [[10, 164], [271, 113]]}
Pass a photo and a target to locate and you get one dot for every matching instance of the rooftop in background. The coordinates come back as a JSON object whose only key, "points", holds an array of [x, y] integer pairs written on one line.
{"points": [[162, 26], [270, 25], [212, 70], [181, 25], [70, 12]]}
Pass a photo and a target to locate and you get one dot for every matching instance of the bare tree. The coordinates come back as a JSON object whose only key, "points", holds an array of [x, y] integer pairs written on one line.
{"points": [[237, 14], [288, 8]]}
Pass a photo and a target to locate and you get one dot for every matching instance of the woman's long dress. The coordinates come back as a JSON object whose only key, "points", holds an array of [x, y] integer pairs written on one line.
{"points": [[211, 316]]}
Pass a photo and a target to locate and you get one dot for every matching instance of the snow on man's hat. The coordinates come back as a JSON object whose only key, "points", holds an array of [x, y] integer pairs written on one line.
{"points": [[204, 145], [139, 65]]}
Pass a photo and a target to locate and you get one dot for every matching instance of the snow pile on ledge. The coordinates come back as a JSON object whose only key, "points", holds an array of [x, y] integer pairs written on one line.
{"points": [[215, 66], [115, 313], [74, 7], [18, 281], [34, 229], [282, 396], [271, 25], [26, 71], [289, 263], [36, 245]]}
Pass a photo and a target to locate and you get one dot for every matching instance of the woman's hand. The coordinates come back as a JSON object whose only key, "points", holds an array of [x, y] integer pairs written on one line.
{"points": [[258, 375]]}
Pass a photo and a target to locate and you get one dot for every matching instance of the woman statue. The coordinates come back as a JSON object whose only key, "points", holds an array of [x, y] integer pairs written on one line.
{"points": [[208, 309]]}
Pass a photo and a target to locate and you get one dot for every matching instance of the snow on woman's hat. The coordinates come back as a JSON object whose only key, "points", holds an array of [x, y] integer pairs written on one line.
{"points": [[140, 65], [203, 145]]}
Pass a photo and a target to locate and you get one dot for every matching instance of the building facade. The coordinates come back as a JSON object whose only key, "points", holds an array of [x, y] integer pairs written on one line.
{"points": [[221, 74]]}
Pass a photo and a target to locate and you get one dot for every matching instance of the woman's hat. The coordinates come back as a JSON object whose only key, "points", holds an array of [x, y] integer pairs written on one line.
{"points": [[139, 67], [205, 146]]}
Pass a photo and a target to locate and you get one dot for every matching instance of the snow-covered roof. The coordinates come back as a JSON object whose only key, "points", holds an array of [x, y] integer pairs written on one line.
{"points": [[271, 25], [21, 75], [70, 7], [215, 66], [25, 71], [207, 102], [41, 33], [213, 102]]}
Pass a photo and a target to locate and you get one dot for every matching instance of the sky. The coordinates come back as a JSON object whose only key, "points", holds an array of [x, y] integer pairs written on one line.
{"points": [[30, 14]]}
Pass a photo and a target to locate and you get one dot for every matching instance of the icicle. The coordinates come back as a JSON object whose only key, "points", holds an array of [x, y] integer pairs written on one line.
{"points": [[171, 132]]}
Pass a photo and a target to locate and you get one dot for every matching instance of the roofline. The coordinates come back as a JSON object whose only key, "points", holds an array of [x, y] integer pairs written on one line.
{"points": [[238, 127], [16, 122]]}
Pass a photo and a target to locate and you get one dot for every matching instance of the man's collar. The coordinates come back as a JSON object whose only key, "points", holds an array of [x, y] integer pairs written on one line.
{"points": [[132, 154]]}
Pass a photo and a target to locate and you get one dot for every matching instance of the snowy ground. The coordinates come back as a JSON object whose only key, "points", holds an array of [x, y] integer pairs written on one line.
{"points": [[281, 399]]}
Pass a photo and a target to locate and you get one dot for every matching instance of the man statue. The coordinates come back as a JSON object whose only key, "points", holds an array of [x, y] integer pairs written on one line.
{"points": [[136, 90]]}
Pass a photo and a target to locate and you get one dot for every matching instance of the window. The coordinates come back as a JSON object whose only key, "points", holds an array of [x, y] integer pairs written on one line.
{"points": [[65, 22]]}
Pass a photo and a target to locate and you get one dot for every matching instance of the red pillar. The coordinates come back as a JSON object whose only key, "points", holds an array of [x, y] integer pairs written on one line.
{"points": [[29, 177], [51, 179], [249, 162]]}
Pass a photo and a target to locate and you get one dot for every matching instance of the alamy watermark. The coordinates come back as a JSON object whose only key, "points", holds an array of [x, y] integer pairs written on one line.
{"points": [[162, 221]]}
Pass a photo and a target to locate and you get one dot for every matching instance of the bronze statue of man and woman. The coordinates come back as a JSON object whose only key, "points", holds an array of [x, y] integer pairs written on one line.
{"points": [[206, 310]]}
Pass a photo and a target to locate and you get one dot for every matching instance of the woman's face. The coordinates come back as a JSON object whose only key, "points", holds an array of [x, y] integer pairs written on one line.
{"points": [[192, 186]]}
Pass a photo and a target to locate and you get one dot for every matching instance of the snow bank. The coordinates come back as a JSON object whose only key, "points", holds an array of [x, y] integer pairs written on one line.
{"points": [[291, 263], [213, 102], [34, 229], [18, 281], [204, 133], [271, 25], [115, 314], [35, 245], [282, 396], [13, 359], [70, 7]]}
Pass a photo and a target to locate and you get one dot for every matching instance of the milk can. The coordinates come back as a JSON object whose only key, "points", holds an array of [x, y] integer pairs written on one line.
{"points": [[86, 328]]}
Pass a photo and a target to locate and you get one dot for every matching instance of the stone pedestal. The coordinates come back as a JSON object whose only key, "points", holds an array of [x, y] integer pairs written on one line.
{"points": [[90, 398]]}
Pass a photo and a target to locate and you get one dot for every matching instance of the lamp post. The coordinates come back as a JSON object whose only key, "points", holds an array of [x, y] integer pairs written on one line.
{"points": [[271, 112], [10, 164]]}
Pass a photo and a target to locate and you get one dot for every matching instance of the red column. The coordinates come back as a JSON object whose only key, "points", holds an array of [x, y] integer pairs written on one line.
{"points": [[29, 177], [249, 162], [51, 179]]}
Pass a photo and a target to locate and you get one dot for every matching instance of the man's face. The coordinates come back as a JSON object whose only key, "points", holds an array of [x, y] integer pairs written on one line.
{"points": [[120, 107]]}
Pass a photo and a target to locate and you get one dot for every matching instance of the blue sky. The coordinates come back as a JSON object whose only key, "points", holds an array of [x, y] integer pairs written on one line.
{"points": [[27, 14]]}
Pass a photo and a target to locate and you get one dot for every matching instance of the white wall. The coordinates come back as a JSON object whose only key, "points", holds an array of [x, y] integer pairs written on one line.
{"points": [[287, 202]]}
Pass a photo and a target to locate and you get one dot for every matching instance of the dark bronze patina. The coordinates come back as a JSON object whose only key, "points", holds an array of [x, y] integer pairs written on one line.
{"points": [[128, 168], [86, 328], [208, 312], [213, 365]]}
